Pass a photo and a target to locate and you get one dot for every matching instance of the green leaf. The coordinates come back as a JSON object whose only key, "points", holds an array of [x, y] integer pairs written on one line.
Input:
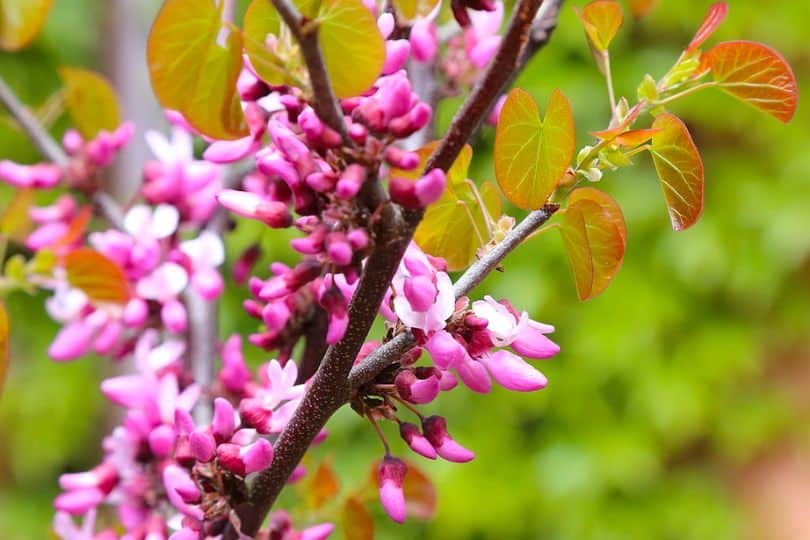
{"points": [[4, 333], [680, 170], [594, 236], [410, 9], [21, 21], [352, 46], [192, 73], [357, 521], [602, 20], [97, 276], [454, 227], [757, 75], [532, 156], [91, 101]]}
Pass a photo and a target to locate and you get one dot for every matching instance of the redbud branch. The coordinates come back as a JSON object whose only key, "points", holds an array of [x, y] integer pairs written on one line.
{"points": [[324, 101], [390, 352], [38, 135], [330, 388]]}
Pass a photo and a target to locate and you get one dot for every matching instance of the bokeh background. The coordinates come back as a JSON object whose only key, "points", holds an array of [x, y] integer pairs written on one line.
{"points": [[679, 407]]}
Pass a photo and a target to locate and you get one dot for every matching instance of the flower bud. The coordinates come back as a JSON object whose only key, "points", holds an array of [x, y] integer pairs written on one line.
{"points": [[202, 445], [435, 430], [416, 441], [390, 477], [223, 423]]}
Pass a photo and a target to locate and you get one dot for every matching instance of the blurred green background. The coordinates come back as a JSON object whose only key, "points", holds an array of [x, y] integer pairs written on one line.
{"points": [[678, 407]]}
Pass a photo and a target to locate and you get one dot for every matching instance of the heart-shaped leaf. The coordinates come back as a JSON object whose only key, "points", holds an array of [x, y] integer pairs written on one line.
{"points": [[357, 521], [531, 156], [717, 13], [601, 19], [97, 276], [640, 8], [4, 334], [757, 75], [454, 227], [21, 21], [594, 237], [192, 73], [680, 170], [91, 101], [352, 46], [14, 221]]}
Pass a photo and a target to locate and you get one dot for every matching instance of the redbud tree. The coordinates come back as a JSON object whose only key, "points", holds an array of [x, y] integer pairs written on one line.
{"points": [[318, 116]]}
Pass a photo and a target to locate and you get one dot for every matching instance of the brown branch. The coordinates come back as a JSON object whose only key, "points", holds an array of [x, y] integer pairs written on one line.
{"points": [[330, 387], [324, 101]]}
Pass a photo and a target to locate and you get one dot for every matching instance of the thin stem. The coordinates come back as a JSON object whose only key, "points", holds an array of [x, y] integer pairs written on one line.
{"points": [[324, 101], [41, 138], [380, 434], [679, 95], [609, 83]]}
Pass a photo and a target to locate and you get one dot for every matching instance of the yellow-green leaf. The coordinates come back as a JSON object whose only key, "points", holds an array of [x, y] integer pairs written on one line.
{"points": [[21, 21], [357, 521], [601, 19], [4, 332], [353, 48], [191, 72], [757, 75], [97, 276], [91, 101], [14, 222], [680, 170], [531, 156], [410, 9], [454, 227], [594, 236]]}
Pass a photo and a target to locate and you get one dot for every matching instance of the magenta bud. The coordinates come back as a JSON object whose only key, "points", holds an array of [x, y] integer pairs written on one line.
{"points": [[416, 441], [420, 292], [228, 456], [401, 159], [321, 182], [244, 264], [351, 181], [174, 316], [224, 422], [202, 445], [430, 187], [255, 415], [338, 249], [403, 192], [257, 456], [161, 440], [358, 239], [79, 502], [390, 478], [396, 54], [435, 430], [416, 389]]}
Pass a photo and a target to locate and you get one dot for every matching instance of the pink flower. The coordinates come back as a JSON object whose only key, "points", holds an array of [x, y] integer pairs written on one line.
{"points": [[390, 477], [508, 328], [423, 295], [205, 253]]}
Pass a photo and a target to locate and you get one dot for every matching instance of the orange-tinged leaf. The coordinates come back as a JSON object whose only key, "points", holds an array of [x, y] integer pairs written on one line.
{"points": [[640, 8], [420, 493], [757, 75], [15, 223], [717, 13], [594, 236], [322, 486], [4, 334], [91, 101], [680, 170], [601, 19], [97, 276], [531, 156], [357, 521], [635, 137], [191, 72], [76, 229], [21, 21]]}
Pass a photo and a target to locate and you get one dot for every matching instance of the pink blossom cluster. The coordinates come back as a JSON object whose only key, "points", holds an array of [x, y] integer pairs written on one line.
{"points": [[465, 342], [167, 475]]}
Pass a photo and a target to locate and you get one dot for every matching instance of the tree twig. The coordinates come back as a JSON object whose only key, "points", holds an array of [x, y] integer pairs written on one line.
{"points": [[41, 138], [324, 101]]}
